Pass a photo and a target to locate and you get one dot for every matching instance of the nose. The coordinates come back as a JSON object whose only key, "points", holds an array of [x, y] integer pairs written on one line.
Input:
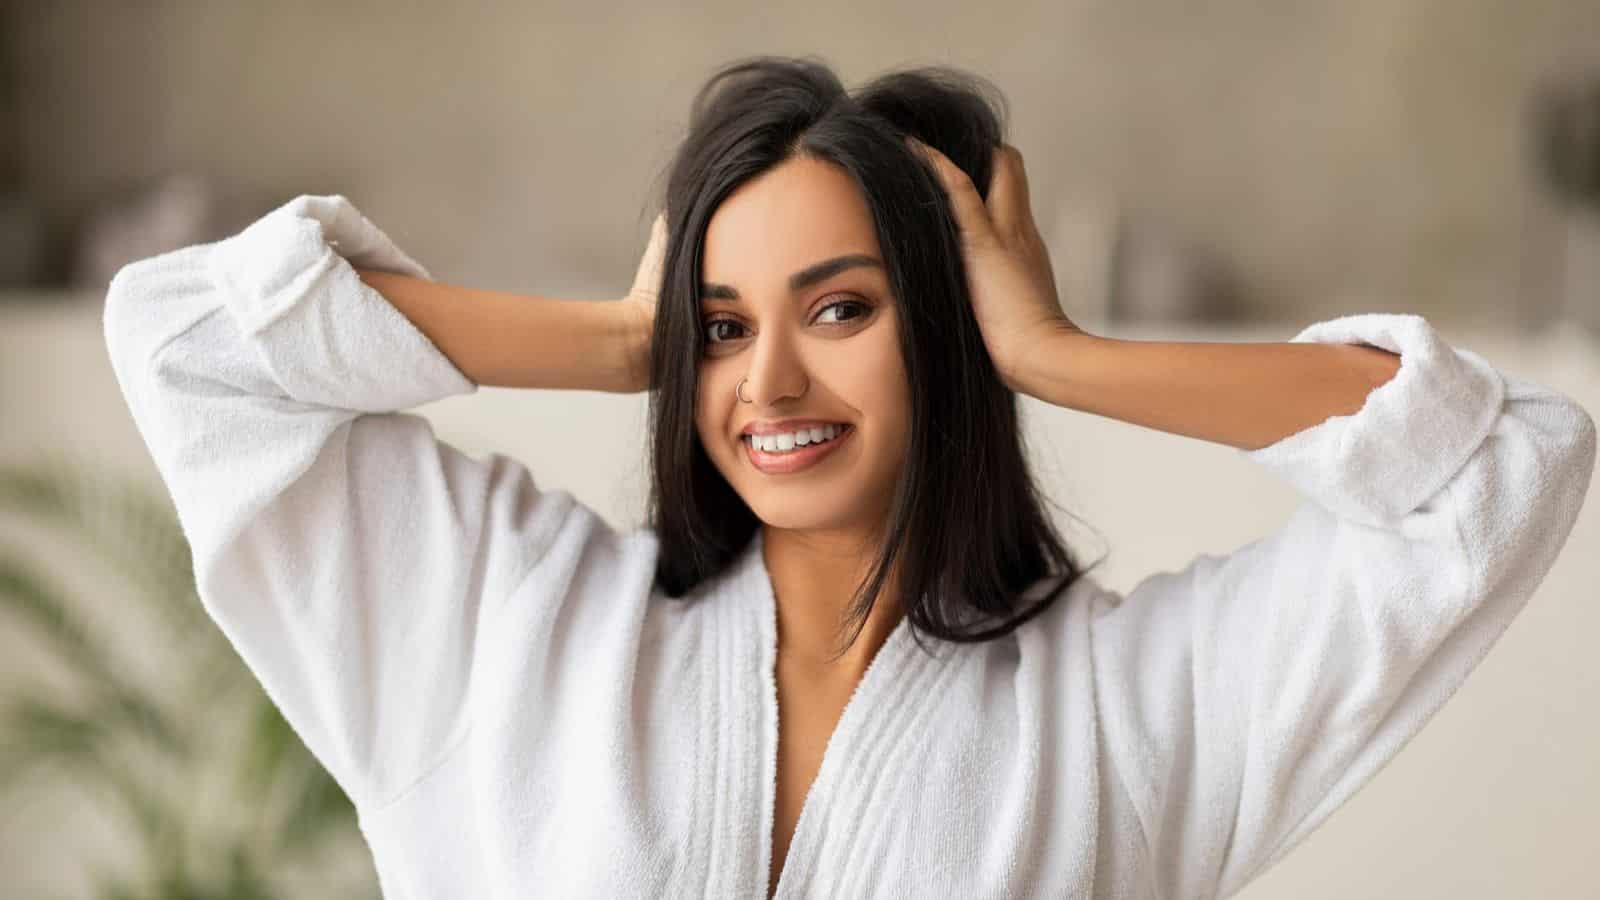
{"points": [[777, 369]]}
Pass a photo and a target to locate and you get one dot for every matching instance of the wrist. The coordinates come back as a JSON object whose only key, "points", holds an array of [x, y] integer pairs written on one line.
{"points": [[1043, 368], [634, 323]]}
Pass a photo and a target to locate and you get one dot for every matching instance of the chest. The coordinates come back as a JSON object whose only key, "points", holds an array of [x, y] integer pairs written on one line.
{"points": [[808, 714], [699, 771]]}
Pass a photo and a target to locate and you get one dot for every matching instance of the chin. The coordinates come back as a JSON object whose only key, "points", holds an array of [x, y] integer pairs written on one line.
{"points": [[805, 508], [808, 513]]}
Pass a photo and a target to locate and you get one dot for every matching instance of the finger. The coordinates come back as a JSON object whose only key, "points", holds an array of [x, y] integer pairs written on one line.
{"points": [[1009, 207], [972, 217], [647, 279]]}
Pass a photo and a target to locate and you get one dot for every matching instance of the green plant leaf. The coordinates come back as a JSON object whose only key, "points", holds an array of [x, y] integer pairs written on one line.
{"points": [[25, 594], [93, 734], [121, 521], [319, 808]]}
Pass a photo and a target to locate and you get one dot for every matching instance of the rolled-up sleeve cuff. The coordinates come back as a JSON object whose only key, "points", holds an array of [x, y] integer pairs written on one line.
{"points": [[331, 339], [1409, 438]]}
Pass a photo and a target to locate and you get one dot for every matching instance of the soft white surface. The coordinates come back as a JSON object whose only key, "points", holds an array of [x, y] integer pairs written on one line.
{"points": [[479, 662]]}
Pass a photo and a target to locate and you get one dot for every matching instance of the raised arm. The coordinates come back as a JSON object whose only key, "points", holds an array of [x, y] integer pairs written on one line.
{"points": [[1242, 699], [1248, 695], [355, 561], [1243, 395], [500, 339]]}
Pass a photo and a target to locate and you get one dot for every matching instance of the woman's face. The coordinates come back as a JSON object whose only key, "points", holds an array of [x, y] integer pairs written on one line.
{"points": [[796, 300]]}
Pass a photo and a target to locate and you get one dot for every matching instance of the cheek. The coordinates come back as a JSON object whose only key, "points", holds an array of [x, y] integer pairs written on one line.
{"points": [[878, 379]]}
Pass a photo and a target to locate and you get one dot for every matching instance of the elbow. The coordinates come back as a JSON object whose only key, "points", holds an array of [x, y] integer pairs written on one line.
{"points": [[120, 319], [151, 301], [129, 304], [1580, 451], [1569, 438]]}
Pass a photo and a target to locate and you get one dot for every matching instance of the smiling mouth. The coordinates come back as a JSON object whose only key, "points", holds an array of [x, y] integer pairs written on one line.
{"points": [[793, 441], [780, 462]]}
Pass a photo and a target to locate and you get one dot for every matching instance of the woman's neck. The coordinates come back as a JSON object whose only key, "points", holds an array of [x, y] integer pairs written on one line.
{"points": [[814, 577]]}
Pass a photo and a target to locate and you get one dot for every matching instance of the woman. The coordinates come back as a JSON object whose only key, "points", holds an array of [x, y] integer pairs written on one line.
{"points": [[522, 701]]}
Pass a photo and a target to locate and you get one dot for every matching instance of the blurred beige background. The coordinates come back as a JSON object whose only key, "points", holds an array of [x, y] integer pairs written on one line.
{"points": [[1225, 171]]}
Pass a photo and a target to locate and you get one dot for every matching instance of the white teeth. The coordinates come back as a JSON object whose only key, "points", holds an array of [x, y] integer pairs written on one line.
{"points": [[787, 442]]}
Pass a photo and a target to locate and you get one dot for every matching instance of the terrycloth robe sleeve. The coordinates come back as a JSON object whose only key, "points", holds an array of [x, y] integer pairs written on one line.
{"points": [[1249, 695], [353, 560]]}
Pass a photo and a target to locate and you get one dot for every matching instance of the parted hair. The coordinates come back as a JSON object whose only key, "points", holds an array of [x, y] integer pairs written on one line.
{"points": [[966, 523]]}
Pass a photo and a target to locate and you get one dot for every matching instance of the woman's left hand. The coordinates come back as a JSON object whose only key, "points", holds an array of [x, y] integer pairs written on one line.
{"points": [[1008, 267]]}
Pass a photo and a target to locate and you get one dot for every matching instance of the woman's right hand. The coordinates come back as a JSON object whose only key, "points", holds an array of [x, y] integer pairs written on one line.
{"points": [[639, 306]]}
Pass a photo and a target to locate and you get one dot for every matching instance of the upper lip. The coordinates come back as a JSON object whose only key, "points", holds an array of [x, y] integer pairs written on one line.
{"points": [[780, 426]]}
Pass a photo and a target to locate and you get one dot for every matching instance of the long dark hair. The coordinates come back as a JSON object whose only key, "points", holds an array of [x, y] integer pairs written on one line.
{"points": [[966, 521]]}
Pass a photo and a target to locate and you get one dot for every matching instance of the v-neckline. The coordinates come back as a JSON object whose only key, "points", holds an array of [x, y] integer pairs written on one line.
{"points": [[849, 730]]}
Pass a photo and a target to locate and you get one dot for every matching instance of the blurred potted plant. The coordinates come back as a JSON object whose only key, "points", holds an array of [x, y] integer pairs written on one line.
{"points": [[1567, 149], [146, 753]]}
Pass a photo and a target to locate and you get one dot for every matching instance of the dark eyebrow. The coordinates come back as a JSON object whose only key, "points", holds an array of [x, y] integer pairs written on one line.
{"points": [[802, 279]]}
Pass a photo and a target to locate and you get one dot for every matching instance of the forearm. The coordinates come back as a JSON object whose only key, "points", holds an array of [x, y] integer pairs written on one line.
{"points": [[1246, 395], [500, 339]]}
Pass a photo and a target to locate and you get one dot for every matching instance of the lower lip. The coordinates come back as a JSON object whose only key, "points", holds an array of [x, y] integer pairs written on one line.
{"points": [[795, 460]]}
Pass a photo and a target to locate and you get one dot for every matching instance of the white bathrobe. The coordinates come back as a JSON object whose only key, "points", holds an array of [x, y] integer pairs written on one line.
{"points": [[483, 665]]}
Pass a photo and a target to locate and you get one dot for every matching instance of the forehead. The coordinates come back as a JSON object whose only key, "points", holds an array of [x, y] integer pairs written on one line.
{"points": [[800, 212]]}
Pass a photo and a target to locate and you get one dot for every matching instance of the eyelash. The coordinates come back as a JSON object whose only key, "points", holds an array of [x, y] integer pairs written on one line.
{"points": [[866, 310]]}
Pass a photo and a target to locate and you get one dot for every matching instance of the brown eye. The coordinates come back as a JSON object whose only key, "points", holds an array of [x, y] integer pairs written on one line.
{"points": [[716, 334], [855, 308]]}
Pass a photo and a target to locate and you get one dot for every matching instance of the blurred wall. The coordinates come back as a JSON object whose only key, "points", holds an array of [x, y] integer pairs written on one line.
{"points": [[1344, 157], [1366, 154]]}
